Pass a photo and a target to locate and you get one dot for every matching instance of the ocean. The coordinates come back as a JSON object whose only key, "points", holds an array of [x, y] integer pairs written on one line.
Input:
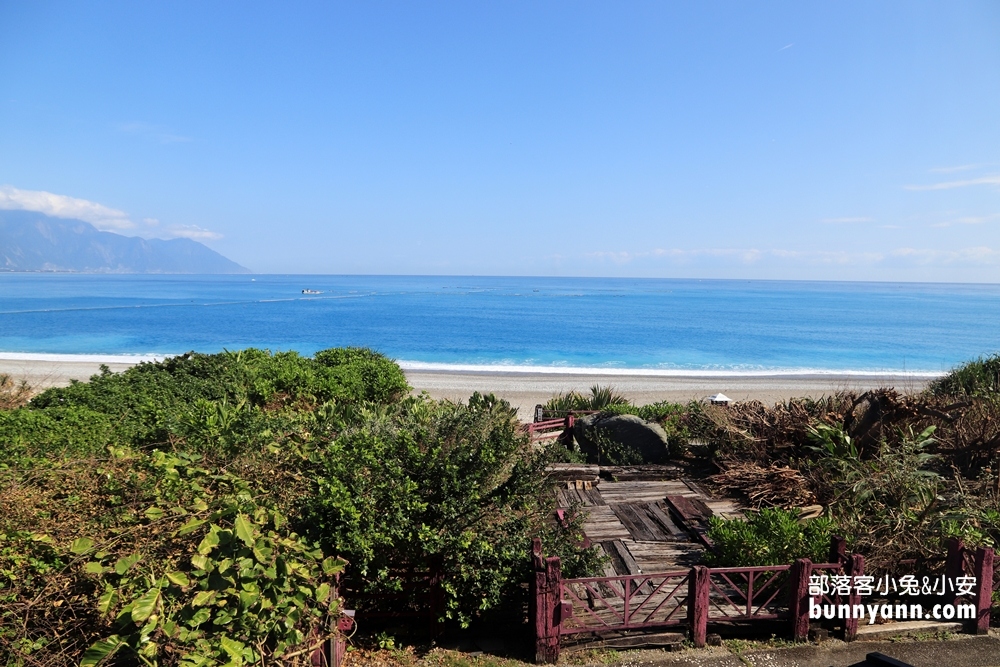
{"points": [[648, 326]]}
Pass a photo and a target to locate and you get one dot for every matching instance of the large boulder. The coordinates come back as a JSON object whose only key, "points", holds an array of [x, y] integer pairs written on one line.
{"points": [[646, 439]]}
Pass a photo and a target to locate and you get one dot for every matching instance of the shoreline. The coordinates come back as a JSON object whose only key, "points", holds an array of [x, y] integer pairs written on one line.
{"points": [[525, 388]]}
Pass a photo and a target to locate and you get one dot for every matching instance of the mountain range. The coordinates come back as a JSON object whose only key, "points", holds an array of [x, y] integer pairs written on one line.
{"points": [[31, 241]]}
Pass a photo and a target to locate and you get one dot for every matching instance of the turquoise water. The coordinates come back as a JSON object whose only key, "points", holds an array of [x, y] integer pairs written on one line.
{"points": [[657, 325]]}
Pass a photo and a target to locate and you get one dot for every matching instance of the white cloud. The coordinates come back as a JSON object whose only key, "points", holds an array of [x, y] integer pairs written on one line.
{"points": [[846, 221], [969, 220], [157, 132], [952, 170], [193, 232], [977, 254], [949, 185], [61, 206], [922, 256]]}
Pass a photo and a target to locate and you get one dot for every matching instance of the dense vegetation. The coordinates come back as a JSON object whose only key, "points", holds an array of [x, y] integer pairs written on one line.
{"points": [[895, 474], [215, 509], [200, 510]]}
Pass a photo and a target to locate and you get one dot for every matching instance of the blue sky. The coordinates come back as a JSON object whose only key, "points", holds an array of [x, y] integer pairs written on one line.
{"points": [[855, 141]]}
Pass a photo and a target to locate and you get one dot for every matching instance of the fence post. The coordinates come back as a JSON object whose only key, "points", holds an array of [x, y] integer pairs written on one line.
{"points": [[838, 550], [798, 605], [855, 568], [698, 590], [984, 589]]}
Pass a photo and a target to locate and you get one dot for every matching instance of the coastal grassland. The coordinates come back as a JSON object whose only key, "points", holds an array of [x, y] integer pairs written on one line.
{"points": [[199, 510]]}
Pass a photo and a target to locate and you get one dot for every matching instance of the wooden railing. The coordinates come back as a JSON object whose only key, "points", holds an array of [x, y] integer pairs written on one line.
{"points": [[691, 599]]}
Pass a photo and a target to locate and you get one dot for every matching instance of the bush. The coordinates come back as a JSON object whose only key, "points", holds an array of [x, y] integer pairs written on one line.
{"points": [[980, 377], [769, 537], [158, 560], [439, 485], [601, 398], [224, 403]]}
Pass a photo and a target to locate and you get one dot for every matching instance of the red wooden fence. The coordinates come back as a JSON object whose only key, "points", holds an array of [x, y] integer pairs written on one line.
{"points": [[691, 599], [550, 428]]}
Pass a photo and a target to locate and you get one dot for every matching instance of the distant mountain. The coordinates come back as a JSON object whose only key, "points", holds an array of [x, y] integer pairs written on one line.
{"points": [[31, 241]]}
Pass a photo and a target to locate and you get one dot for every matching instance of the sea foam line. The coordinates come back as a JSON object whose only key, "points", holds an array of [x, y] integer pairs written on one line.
{"points": [[657, 372], [409, 365], [82, 358]]}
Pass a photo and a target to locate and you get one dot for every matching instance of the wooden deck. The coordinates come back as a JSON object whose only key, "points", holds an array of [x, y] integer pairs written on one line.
{"points": [[637, 525]]}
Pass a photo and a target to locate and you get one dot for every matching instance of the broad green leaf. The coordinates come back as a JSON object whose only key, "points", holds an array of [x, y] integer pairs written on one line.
{"points": [[244, 530], [93, 567], [178, 578], [145, 606], [232, 647], [81, 545], [203, 598], [199, 617], [154, 513], [263, 555], [189, 527], [333, 565], [100, 651], [322, 592], [209, 542], [201, 562], [248, 598], [123, 565], [107, 600]]}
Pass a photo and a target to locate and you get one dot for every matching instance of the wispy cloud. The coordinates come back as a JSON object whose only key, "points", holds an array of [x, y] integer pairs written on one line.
{"points": [[977, 254], [624, 257], [949, 185], [969, 220], [846, 221], [155, 132], [786, 46], [193, 232], [61, 206], [957, 168]]}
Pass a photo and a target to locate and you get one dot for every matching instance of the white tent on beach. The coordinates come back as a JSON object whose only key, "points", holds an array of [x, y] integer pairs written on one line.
{"points": [[719, 399]]}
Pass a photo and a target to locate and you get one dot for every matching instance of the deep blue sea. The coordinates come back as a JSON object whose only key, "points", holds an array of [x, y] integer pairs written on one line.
{"points": [[661, 326]]}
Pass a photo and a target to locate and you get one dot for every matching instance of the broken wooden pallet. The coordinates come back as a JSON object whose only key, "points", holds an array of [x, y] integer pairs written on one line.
{"points": [[693, 514]]}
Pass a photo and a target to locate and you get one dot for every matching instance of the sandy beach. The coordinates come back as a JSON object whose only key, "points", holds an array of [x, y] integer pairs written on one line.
{"points": [[527, 389]]}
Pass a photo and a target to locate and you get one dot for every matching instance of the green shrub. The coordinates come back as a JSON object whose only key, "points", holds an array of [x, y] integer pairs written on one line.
{"points": [[57, 432], [612, 452], [181, 564], [227, 402], [601, 398], [768, 537], [980, 377], [446, 485]]}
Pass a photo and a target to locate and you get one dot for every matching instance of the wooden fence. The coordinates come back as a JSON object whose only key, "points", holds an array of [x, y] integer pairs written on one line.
{"points": [[690, 600]]}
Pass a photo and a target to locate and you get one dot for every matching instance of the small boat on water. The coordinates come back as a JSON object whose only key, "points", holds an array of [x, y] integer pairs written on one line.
{"points": [[312, 291]]}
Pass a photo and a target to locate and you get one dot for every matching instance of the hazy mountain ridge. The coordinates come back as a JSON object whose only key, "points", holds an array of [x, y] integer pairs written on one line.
{"points": [[31, 241]]}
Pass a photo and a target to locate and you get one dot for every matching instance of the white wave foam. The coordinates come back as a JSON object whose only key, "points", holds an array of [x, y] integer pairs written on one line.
{"points": [[82, 358], [659, 372], [522, 369]]}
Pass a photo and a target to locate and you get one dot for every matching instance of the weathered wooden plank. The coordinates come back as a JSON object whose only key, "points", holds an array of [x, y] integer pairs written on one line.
{"points": [[661, 512], [693, 513], [573, 471], [602, 524], [592, 497], [630, 514]]}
